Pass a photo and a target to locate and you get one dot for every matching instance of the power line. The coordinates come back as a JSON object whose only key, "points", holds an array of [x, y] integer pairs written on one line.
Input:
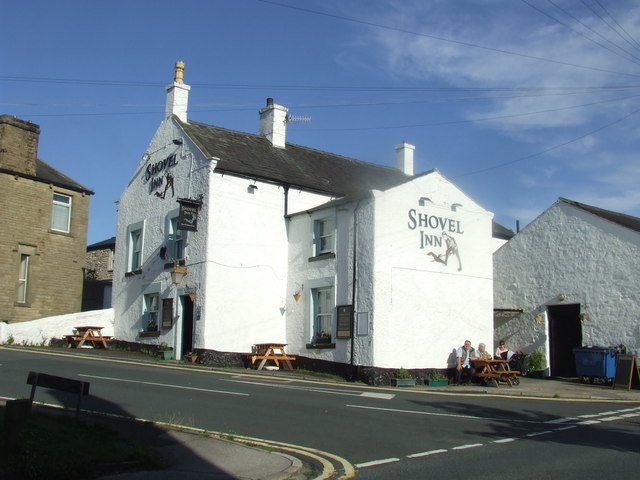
{"points": [[550, 149], [449, 40]]}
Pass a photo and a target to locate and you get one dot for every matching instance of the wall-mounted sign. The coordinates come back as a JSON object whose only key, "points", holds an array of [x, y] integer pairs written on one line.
{"points": [[442, 245], [188, 216], [345, 321], [167, 312], [159, 177]]}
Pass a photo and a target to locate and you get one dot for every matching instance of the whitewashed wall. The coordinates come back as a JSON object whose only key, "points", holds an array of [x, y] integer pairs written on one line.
{"points": [[42, 330], [138, 204], [424, 309], [593, 261]]}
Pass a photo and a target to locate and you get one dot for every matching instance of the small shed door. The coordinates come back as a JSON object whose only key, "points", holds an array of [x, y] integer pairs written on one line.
{"points": [[565, 333]]}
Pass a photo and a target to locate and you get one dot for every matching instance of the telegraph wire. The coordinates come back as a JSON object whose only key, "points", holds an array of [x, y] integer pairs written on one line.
{"points": [[550, 149], [630, 40], [449, 40], [570, 15]]}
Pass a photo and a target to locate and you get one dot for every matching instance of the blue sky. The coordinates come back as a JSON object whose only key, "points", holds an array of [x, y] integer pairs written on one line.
{"points": [[517, 102]]}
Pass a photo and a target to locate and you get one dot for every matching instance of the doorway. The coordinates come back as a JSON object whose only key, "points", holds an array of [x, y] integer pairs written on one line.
{"points": [[565, 334], [187, 324]]}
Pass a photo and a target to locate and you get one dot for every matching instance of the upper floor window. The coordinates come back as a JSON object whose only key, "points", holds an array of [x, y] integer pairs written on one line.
{"points": [[135, 250], [23, 278], [323, 236], [61, 212], [177, 240]]}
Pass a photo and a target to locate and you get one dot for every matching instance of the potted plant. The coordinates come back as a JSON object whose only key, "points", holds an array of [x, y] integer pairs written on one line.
{"points": [[536, 363], [323, 337], [191, 357], [165, 352], [403, 378], [437, 379]]}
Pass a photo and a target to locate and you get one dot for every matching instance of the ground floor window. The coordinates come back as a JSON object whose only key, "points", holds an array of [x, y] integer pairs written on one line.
{"points": [[322, 314], [151, 311]]}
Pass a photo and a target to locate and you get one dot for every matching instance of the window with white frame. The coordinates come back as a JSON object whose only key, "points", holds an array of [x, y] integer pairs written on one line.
{"points": [[322, 314], [23, 278], [177, 240], [323, 235], [151, 311], [135, 250], [61, 212]]}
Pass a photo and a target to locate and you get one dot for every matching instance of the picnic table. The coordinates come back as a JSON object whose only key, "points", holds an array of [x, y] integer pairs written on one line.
{"points": [[496, 371], [271, 351], [90, 334]]}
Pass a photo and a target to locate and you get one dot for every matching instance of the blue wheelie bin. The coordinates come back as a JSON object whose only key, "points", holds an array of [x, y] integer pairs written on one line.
{"points": [[595, 363]]}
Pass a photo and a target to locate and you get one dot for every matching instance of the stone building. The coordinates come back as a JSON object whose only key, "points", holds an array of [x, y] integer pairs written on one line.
{"points": [[98, 275], [44, 219], [569, 279], [228, 239]]}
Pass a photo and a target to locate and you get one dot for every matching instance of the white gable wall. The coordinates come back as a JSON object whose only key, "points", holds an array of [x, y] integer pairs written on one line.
{"points": [[593, 261], [423, 308]]}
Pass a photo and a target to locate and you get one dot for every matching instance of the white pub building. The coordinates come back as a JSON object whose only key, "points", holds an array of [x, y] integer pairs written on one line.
{"points": [[228, 239]]}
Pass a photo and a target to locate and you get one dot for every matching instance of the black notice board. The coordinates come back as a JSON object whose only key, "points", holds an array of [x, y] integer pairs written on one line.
{"points": [[345, 321], [167, 312], [626, 372]]}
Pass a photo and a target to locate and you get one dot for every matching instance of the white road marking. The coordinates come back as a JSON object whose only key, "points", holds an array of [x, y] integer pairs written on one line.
{"points": [[465, 447], [181, 387], [415, 412], [536, 434], [589, 422], [426, 454], [382, 396], [374, 463], [504, 440], [569, 427]]}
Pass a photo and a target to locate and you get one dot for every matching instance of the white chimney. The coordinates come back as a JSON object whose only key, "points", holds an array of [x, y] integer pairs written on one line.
{"points": [[404, 157], [273, 123], [178, 95]]}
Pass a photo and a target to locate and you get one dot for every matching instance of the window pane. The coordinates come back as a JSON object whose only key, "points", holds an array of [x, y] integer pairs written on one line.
{"points": [[136, 250], [23, 278], [61, 212], [324, 236]]}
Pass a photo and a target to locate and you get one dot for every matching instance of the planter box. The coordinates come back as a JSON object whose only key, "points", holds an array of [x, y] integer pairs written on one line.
{"points": [[165, 355], [404, 382], [438, 383], [191, 358]]}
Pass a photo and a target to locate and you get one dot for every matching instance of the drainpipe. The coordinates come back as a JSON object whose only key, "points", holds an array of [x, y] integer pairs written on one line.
{"points": [[353, 279]]}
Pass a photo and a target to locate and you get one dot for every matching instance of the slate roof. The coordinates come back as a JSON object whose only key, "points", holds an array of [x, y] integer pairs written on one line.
{"points": [[104, 244], [620, 218], [254, 156], [499, 231], [48, 174]]}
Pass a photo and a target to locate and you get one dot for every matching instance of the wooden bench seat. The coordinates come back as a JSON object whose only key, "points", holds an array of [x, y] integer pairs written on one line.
{"points": [[498, 374]]}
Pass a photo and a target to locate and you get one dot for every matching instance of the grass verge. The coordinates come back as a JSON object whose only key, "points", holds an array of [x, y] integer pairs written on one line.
{"points": [[56, 446]]}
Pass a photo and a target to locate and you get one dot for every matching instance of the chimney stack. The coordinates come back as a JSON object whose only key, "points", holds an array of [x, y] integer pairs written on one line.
{"points": [[273, 123], [404, 157], [18, 145], [178, 95]]}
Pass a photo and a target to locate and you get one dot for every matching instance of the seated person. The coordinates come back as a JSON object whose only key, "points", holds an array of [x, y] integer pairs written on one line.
{"points": [[482, 353], [464, 355], [502, 352]]}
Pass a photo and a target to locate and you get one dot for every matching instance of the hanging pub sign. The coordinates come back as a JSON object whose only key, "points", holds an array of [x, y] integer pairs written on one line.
{"points": [[188, 216]]}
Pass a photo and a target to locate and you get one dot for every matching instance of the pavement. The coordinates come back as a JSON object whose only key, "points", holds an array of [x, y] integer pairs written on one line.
{"points": [[189, 451]]}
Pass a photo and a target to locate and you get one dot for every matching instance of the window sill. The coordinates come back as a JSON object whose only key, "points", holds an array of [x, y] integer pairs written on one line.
{"points": [[133, 273], [149, 334], [317, 346], [323, 256]]}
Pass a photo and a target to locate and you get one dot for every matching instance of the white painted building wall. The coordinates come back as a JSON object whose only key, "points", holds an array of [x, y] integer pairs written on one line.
{"points": [[592, 261], [417, 310], [424, 309]]}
